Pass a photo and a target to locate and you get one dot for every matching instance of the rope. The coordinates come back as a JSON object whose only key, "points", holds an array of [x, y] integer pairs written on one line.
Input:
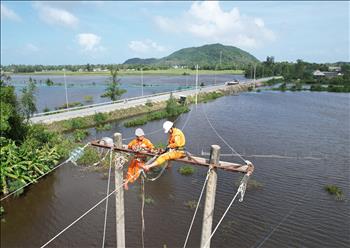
{"points": [[88, 211], [195, 212], [54, 168], [142, 208], [106, 211], [217, 134]]}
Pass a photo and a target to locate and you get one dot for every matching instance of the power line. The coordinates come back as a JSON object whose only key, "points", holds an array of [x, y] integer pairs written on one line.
{"points": [[217, 134]]}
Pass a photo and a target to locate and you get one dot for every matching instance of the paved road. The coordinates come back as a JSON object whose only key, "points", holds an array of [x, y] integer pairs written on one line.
{"points": [[132, 102]]}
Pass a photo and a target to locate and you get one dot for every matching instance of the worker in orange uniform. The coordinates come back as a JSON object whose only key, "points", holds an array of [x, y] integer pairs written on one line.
{"points": [[175, 148], [138, 144]]}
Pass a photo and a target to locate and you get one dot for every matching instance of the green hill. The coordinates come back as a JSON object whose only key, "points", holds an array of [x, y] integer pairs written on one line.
{"points": [[207, 55]]}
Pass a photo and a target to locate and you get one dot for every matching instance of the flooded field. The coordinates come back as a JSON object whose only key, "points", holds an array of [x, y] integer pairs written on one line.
{"points": [[299, 142]]}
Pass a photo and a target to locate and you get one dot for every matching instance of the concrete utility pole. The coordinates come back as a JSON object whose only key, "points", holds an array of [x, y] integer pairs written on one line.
{"points": [[141, 81], [196, 84], [119, 198], [254, 75], [220, 57], [210, 197], [65, 86]]}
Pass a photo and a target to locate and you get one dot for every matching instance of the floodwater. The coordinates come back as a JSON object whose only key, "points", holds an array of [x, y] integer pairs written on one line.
{"points": [[291, 209], [94, 86]]}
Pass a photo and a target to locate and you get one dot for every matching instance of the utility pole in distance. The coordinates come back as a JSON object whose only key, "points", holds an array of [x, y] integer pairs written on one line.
{"points": [[196, 83], [142, 81], [65, 86]]}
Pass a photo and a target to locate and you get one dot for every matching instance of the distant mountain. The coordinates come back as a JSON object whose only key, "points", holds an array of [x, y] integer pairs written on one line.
{"points": [[204, 55], [141, 61]]}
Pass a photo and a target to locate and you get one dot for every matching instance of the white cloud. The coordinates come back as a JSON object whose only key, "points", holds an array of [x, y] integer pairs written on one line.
{"points": [[206, 20], [54, 15], [9, 14], [145, 46], [89, 42]]}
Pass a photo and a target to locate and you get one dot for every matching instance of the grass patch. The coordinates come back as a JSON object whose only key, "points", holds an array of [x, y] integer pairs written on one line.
{"points": [[335, 190], [186, 170], [192, 204]]}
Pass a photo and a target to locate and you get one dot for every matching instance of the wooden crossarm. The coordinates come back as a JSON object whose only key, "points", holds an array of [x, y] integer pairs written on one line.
{"points": [[227, 166]]}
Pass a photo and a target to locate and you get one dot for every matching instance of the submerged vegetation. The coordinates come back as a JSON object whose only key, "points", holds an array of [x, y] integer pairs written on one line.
{"points": [[187, 170], [192, 204], [335, 190]]}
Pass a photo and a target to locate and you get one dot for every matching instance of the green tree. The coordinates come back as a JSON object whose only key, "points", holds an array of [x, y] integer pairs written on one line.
{"points": [[11, 122], [113, 91], [28, 101]]}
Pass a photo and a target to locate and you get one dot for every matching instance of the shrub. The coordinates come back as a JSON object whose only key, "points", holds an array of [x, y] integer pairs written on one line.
{"points": [[186, 170], [46, 109]]}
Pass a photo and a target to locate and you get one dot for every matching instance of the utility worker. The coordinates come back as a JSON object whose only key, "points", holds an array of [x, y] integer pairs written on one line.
{"points": [[138, 144], [175, 148]]}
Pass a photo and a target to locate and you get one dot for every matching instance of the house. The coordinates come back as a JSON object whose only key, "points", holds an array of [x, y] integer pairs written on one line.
{"points": [[327, 74], [334, 68]]}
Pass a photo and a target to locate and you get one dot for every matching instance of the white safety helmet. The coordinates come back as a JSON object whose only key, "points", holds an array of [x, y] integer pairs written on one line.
{"points": [[167, 125], [139, 132]]}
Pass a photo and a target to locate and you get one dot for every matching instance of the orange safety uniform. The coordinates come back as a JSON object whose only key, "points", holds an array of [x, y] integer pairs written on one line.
{"points": [[176, 144], [137, 162]]}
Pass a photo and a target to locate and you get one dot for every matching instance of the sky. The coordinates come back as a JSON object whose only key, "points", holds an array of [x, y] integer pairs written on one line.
{"points": [[96, 32]]}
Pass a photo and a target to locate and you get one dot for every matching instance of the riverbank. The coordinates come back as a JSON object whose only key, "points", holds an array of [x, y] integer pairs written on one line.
{"points": [[170, 72]]}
